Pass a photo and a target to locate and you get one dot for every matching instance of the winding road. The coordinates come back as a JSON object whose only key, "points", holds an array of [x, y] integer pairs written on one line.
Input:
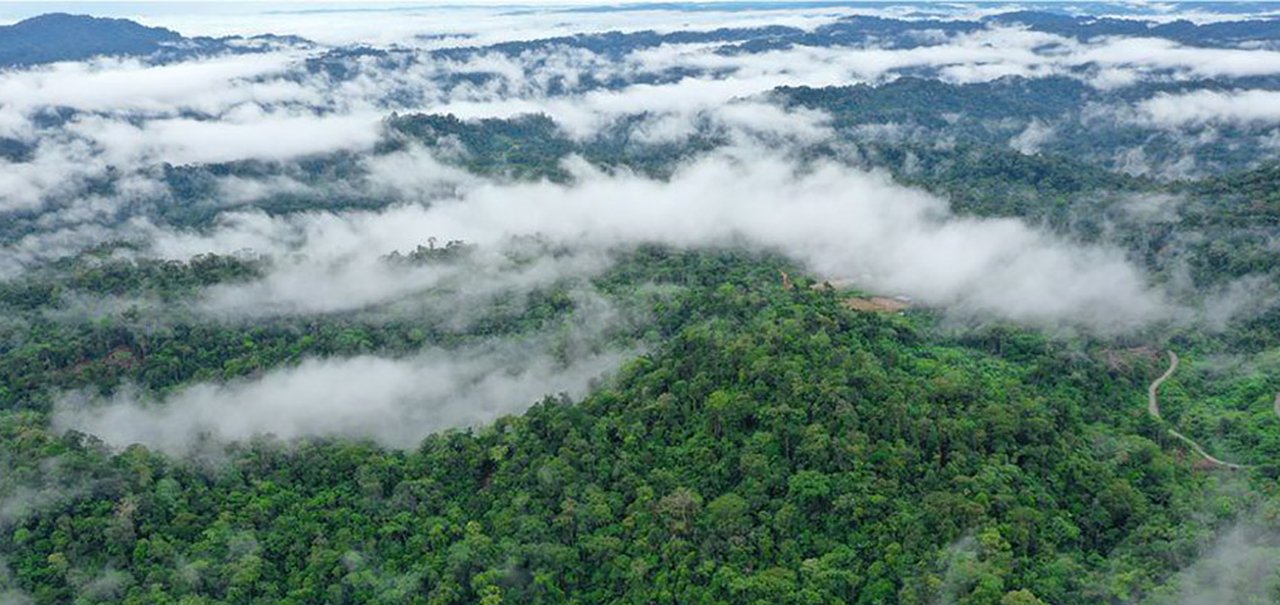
{"points": [[1153, 404], [1153, 408]]}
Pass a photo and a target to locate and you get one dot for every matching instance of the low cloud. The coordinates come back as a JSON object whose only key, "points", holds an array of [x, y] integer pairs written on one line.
{"points": [[1147, 55], [54, 170], [9, 592], [1243, 107], [458, 291], [482, 24], [841, 222], [1239, 567], [115, 85], [129, 115], [395, 401], [251, 134], [1030, 140]]}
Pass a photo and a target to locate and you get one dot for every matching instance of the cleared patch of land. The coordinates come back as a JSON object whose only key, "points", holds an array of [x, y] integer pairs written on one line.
{"points": [[876, 304]]}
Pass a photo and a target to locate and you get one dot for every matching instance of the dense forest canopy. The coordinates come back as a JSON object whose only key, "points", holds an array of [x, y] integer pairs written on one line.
{"points": [[737, 302]]}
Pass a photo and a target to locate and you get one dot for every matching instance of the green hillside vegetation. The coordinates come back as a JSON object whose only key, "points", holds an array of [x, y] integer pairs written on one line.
{"points": [[772, 447], [767, 440]]}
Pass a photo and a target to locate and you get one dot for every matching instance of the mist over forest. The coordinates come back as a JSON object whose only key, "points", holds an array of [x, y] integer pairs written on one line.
{"points": [[716, 302]]}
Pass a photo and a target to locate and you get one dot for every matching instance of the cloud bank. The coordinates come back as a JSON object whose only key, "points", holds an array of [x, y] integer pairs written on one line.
{"points": [[842, 222], [122, 121], [1242, 107], [395, 401]]}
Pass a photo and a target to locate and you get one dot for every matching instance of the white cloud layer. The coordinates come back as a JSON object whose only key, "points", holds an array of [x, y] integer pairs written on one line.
{"points": [[268, 106], [395, 401], [250, 135], [1244, 107], [842, 222]]}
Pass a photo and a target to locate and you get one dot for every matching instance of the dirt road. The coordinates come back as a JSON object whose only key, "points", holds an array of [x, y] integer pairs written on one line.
{"points": [[1153, 405], [1153, 408]]}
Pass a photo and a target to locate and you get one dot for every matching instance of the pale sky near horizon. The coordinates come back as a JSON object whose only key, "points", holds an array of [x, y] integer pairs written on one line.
{"points": [[16, 10], [376, 21], [381, 21], [410, 3]]}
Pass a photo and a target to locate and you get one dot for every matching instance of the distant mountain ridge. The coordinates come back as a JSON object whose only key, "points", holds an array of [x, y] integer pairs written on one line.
{"points": [[57, 37], [64, 37]]}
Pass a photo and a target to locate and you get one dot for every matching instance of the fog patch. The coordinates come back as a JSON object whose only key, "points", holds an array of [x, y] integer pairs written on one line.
{"points": [[1240, 299], [1201, 107], [10, 594], [304, 285], [842, 222], [1151, 208], [252, 134], [1239, 567], [129, 85], [56, 168], [1033, 138], [395, 401]]}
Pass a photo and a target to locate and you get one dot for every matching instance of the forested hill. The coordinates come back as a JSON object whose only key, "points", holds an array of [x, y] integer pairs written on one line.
{"points": [[55, 37], [63, 37], [764, 303], [777, 447]]}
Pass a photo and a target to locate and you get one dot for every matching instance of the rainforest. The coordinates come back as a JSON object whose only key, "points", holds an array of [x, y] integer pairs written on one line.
{"points": [[711, 302]]}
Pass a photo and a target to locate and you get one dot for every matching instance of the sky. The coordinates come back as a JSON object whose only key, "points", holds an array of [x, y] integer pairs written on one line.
{"points": [[368, 21], [295, 16], [160, 7]]}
